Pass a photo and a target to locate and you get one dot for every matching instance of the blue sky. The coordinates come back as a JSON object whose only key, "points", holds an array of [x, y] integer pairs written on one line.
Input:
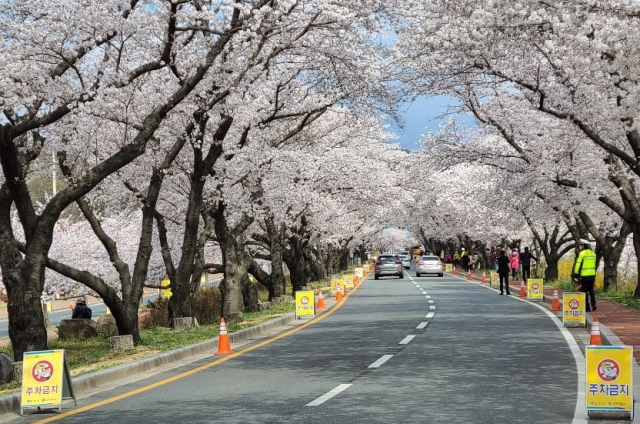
{"points": [[423, 116]]}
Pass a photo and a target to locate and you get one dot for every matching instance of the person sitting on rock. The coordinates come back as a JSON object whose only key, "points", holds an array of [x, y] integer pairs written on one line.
{"points": [[81, 311]]}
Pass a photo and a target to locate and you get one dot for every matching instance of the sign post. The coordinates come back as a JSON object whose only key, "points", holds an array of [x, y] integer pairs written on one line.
{"points": [[534, 289], [573, 309], [609, 379], [305, 304], [46, 380]]}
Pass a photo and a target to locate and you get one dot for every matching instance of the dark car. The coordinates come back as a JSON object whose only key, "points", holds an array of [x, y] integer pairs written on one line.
{"points": [[389, 265]]}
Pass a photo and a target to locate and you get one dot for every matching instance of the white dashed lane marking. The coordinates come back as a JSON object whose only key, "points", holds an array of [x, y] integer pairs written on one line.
{"points": [[325, 397], [430, 300], [422, 325], [430, 314], [407, 339], [432, 307], [380, 361]]}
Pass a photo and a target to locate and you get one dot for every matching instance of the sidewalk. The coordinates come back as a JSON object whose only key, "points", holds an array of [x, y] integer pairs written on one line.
{"points": [[623, 321]]}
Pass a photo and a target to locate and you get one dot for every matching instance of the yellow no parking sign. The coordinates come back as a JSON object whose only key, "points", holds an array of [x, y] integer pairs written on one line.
{"points": [[305, 304], [573, 309], [534, 289], [609, 378], [45, 379]]}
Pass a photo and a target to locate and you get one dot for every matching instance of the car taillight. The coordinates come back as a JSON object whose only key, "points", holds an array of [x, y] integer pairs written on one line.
{"points": [[439, 263], [398, 262], [420, 263], [378, 263]]}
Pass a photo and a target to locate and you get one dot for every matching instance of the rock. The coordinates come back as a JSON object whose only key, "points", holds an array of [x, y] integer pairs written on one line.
{"points": [[184, 323], [6, 368], [107, 324], [282, 299], [77, 329], [121, 343], [17, 371]]}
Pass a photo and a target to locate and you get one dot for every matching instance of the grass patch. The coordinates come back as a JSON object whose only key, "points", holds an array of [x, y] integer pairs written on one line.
{"points": [[85, 356], [622, 297]]}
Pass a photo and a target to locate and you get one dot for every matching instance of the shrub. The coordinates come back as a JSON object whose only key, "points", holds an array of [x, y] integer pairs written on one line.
{"points": [[156, 314], [208, 306]]}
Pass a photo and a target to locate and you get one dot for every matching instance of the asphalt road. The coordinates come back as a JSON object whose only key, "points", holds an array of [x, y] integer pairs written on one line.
{"points": [[97, 309], [480, 358]]}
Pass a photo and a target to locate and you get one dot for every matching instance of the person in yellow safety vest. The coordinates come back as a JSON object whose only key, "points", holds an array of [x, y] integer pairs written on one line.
{"points": [[456, 259], [585, 271]]}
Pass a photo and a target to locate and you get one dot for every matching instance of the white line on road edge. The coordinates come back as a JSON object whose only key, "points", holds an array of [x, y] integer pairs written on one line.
{"points": [[380, 361], [432, 307], [325, 397], [422, 325], [430, 315], [580, 411], [407, 339]]}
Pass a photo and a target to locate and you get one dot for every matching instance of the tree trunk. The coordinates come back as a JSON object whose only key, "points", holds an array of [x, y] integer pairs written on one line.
{"points": [[26, 320], [232, 302], [296, 263], [343, 259], [636, 246], [250, 295], [551, 273], [276, 251], [234, 260]]}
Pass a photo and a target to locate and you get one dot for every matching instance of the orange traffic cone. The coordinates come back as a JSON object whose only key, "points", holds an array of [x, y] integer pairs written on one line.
{"points": [[453, 272], [484, 278], [356, 280], [555, 303], [338, 296], [469, 276], [320, 302], [595, 333], [71, 306], [224, 347], [523, 290]]}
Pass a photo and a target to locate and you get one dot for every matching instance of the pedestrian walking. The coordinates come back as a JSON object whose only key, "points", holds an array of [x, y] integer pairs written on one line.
{"points": [[456, 259], [447, 257], [525, 261], [465, 260], [495, 254], [81, 310], [515, 262], [503, 271], [585, 271]]}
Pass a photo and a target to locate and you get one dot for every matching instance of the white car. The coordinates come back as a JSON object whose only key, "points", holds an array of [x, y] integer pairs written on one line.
{"points": [[429, 265], [406, 261]]}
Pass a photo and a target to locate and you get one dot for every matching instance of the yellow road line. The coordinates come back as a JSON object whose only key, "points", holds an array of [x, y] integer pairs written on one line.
{"points": [[198, 369]]}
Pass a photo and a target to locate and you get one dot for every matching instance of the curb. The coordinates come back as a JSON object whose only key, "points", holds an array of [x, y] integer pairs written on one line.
{"points": [[10, 403]]}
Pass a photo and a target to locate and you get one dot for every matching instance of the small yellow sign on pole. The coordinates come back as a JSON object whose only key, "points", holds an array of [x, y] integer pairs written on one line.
{"points": [[359, 272], [495, 279], [45, 380], [305, 304], [534, 289], [573, 309], [609, 379]]}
